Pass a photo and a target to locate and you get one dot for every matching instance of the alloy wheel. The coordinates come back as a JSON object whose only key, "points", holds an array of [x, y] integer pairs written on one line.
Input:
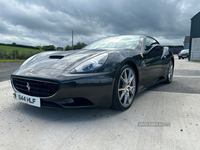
{"points": [[170, 71], [126, 87]]}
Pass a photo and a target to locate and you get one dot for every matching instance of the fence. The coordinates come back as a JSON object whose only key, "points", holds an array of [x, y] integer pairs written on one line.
{"points": [[16, 54]]}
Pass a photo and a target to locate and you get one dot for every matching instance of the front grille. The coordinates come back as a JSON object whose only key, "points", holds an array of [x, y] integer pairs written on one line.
{"points": [[35, 88]]}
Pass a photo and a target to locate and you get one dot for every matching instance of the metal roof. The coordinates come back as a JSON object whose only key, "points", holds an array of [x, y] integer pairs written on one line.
{"points": [[195, 15], [187, 39]]}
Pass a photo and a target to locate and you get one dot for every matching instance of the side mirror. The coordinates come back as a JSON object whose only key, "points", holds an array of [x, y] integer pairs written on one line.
{"points": [[166, 48], [165, 52]]}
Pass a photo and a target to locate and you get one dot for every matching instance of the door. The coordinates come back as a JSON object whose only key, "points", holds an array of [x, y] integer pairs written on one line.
{"points": [[153, 59]]}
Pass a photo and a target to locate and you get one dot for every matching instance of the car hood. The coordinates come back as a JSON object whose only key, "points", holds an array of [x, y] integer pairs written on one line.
{"points": [[54, 63], [57, 64], [184, 53]]}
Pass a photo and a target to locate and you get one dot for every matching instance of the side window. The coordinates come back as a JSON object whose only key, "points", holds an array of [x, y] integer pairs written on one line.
{"points": [[150, 42]]}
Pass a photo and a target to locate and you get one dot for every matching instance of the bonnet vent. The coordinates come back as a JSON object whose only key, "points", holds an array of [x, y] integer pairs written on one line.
{"points": [[56, 57]]}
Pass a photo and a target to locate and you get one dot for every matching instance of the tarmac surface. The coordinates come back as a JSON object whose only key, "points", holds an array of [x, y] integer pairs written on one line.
{"points": [[166, 116], [7, 68]]}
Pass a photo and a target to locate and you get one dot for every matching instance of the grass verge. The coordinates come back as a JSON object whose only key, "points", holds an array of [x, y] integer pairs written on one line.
{"points": [[10, 52], [11, 60], [196, 60]]}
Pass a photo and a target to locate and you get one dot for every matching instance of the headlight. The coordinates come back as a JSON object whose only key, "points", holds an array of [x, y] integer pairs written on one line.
{"points": [[91, 64], [28, 60]]}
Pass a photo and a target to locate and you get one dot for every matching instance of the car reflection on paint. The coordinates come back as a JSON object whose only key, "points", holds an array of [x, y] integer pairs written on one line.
{"points": [[107, 73]]}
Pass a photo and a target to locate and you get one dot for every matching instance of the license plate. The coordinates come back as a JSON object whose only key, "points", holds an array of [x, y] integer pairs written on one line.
{"points": [[31, 100]]}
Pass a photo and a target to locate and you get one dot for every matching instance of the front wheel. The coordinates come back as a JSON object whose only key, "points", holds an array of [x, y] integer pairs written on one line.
{"points": [[124, 88], [170, 72]]}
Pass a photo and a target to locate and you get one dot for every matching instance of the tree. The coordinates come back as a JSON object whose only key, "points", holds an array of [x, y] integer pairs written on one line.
{"points": [[14, 43], [59, 48], [68, 48], [51, 48], [40, 48], [79, 45], [45, 47]]}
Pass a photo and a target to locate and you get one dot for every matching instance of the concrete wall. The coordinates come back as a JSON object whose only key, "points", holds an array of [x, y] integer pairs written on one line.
{"points": [[195, 49]]}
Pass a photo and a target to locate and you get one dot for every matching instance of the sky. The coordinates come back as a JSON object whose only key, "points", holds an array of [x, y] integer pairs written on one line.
{"points": [[50, 22]]}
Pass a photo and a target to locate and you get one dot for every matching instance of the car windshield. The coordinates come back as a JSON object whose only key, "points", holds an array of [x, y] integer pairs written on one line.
{"points": [[128, 41], [185, 51]]}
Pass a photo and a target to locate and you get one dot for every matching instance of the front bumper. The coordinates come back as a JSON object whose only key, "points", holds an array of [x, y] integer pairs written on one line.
{"points": [[183, 56], [84, 90]]}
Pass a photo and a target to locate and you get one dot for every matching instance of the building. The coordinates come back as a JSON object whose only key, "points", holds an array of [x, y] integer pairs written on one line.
{"points": [[186, 42], [194, 48], [175, 49]]}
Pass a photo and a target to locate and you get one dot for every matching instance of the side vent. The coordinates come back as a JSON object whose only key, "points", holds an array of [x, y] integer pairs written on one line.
{"points": [[56, 57]]}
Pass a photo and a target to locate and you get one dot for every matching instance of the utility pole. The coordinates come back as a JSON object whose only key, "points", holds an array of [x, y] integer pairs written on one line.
{"points": [[15, 54], [72, 39]]}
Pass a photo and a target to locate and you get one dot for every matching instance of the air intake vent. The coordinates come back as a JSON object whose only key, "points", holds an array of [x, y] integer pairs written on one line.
{"points": [[56, 57], [37, 88]]}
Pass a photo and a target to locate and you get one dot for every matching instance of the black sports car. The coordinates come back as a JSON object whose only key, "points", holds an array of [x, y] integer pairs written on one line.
{"points": [[106, 73]]}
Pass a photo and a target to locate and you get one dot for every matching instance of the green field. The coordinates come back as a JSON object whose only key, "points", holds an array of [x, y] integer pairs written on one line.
{"points": [[14, 53], [10, 48], [11, 60]]}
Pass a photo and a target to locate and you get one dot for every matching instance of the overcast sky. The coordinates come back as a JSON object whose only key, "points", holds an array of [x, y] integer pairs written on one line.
{"points": [[47, 22]]}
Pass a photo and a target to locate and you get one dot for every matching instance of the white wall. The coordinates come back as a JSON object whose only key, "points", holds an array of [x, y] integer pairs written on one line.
{"points": [[195, 49]]}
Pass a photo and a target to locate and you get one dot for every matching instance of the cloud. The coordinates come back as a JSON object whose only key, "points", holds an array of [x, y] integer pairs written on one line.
{"points": [[35, 22]]}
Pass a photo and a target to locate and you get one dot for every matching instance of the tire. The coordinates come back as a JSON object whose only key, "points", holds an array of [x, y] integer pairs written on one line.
{"points": [[179, 58], [124, 88], [170, 72]]}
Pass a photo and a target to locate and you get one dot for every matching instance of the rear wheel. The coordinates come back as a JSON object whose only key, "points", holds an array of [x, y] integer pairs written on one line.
{"points": [[124, 88], [170, 72]]}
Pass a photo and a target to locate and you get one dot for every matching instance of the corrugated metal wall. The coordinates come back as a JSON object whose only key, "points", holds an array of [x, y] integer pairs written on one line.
{"points": [[195, 33]]}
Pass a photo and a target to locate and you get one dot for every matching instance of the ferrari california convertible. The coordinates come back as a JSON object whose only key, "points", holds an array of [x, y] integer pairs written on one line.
{"points": [[107, 73]]}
